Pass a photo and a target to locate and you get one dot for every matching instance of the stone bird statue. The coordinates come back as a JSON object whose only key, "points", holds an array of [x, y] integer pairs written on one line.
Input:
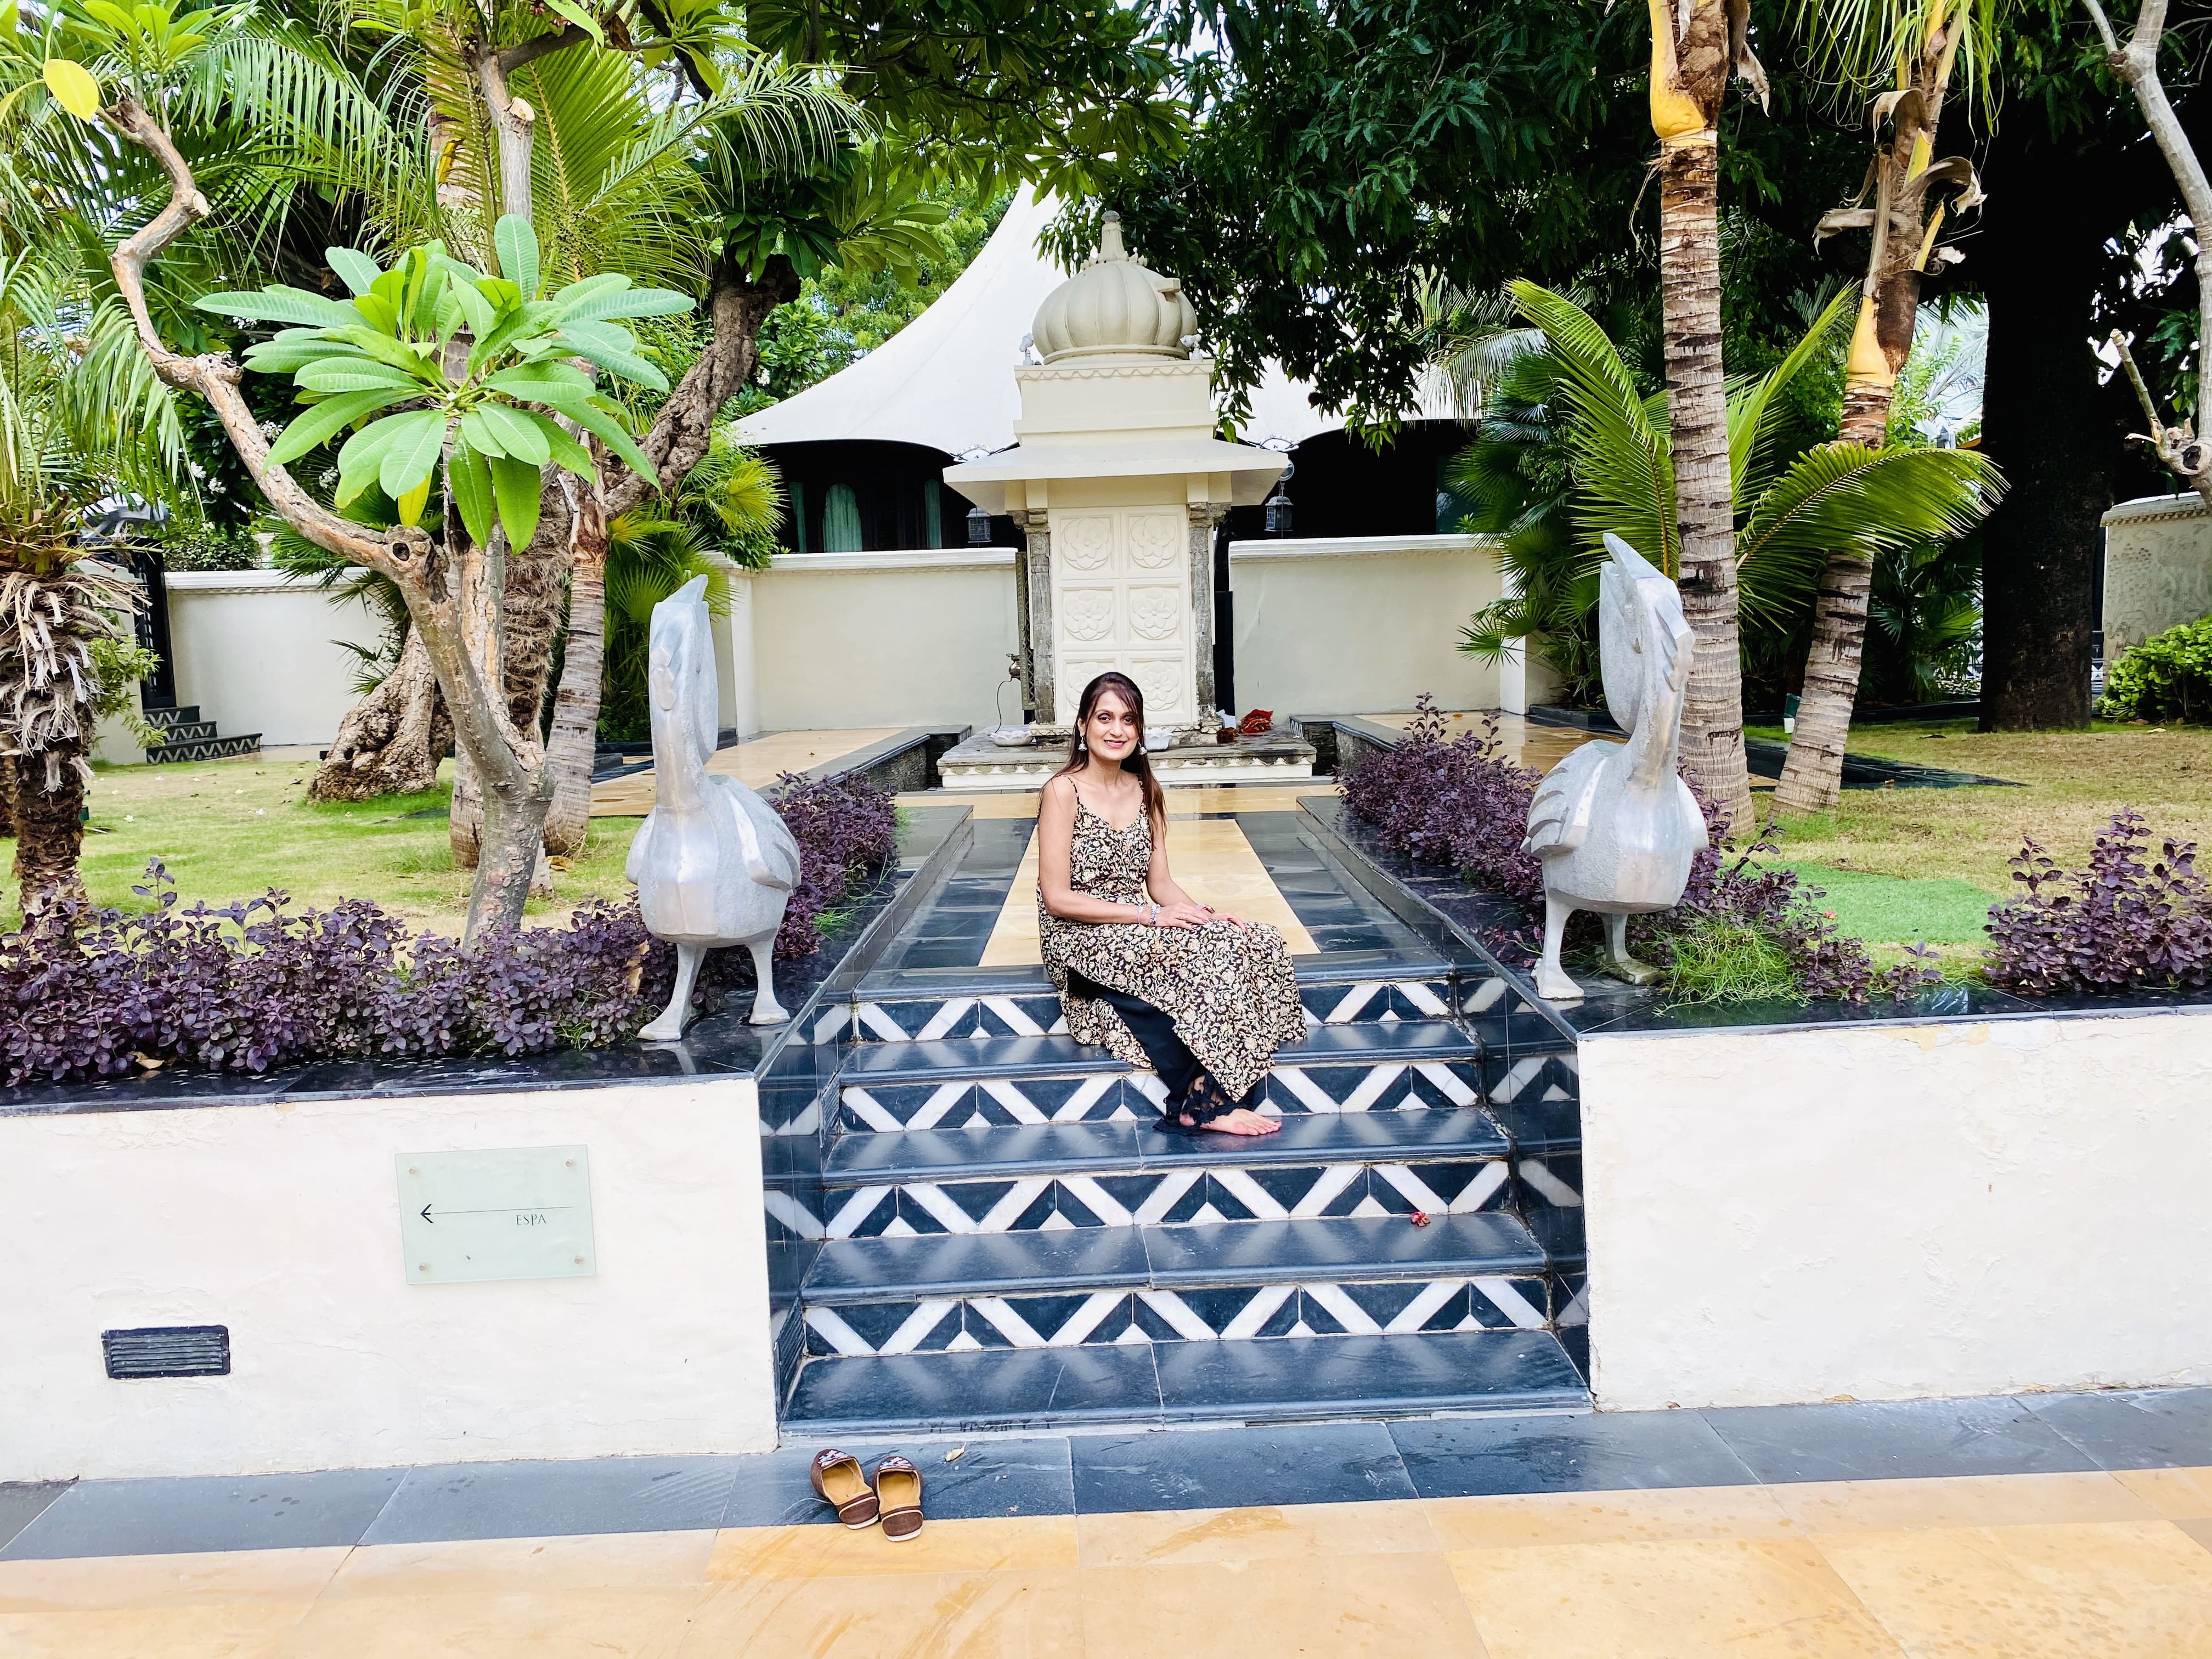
{"points": [[713, 862], [1615, 825]]}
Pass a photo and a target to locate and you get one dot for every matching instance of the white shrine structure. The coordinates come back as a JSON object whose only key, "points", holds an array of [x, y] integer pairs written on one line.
{"points": [[1117, 480]]}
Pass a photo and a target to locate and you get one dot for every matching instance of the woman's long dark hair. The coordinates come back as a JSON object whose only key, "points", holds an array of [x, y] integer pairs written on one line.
{"points": [[1138, 765]]}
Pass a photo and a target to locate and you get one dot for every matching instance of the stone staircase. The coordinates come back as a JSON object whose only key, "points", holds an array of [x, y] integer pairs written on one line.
{"points": [[185, 737], [1008, 1242]]}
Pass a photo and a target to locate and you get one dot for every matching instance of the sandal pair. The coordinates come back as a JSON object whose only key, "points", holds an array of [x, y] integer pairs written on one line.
{"points": [[892, 1497]]}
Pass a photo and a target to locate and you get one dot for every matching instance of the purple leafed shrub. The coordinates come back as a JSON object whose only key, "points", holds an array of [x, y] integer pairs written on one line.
{"points": [[256, 984], [1463, 803], [846, 828], [2127, 922], [1460, 803]]}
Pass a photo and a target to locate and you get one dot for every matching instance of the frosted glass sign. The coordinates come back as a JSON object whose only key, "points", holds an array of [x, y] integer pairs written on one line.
{"points": [[504, 1212]]}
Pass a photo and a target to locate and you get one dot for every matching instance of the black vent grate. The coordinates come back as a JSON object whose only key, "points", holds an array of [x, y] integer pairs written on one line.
{"points": [[168, 1351]]}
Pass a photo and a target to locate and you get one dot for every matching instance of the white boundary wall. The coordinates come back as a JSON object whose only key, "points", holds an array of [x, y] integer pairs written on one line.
{"points": [[282, 1223], [2158, 567], [830, 639], [256, 652], [1888, 1211], [1361, 625]]}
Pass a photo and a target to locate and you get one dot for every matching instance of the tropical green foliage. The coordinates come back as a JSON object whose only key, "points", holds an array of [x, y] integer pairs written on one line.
{"points": [[482, 409], [2168, 677], [1572, 447]]}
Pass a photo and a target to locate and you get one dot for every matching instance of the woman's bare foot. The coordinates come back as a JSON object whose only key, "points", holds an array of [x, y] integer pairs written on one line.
{"points": [[1241, 1121]]}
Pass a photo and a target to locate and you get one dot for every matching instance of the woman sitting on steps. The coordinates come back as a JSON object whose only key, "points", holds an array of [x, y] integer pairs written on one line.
{"points": [[1202, 998]]}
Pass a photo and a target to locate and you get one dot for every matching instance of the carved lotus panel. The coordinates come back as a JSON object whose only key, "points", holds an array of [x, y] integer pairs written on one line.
{"points": [[1161, 680], [1155, 613], [1155, 540], [1087, 613], [1086, 544]]}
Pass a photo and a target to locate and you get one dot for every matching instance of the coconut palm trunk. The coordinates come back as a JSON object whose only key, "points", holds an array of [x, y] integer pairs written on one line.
{"points": [[390, 742], [1906, 215], [49, 832], [1693, 50]]}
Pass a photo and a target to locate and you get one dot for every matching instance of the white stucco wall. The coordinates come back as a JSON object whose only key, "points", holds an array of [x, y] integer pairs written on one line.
{"points": [[2158, 567], [1361, 626], [1899, 1211], [282, 1222], [256, 652], [884, 639]]}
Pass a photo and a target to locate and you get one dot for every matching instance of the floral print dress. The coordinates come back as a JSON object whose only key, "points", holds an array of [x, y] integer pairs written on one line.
{"points": [[1231, 991]]}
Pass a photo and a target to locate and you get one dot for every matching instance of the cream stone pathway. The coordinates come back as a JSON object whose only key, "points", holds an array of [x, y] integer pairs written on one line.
{"points": [[755, 763], [2022, 1566]]}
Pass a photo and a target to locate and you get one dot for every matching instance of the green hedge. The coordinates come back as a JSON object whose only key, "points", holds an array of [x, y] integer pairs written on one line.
{"points": [[2168, 677]]}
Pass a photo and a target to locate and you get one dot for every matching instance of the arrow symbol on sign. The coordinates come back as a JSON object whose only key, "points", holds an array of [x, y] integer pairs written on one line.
{"points": [[426, 1215]]}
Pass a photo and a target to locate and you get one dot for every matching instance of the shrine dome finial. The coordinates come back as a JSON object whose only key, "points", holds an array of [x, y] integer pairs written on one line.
{"points": [[1114, 307]]}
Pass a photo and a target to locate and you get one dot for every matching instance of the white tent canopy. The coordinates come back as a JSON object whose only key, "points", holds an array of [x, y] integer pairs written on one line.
{"points": [[945, 380]]}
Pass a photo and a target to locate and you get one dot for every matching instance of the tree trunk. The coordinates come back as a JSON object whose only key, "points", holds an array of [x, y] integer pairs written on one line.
{"points": [[2046, 422], [7, 795], [1705, 504], [390, 742], [1813, 776], [576, 705], [530, 621], [49, 829]]}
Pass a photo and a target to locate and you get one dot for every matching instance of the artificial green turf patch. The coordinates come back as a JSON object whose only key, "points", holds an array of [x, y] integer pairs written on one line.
{"points": [[1891, 910]]}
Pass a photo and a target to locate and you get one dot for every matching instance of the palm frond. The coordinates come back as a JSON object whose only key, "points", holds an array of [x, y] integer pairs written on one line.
{"points": [[1849, 498], [1623, 461], [1754, 409]]}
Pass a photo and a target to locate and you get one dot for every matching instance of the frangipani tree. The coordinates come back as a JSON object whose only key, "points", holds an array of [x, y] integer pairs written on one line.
{"points": [[410, 358], [2177, 445], [1911, 50]]}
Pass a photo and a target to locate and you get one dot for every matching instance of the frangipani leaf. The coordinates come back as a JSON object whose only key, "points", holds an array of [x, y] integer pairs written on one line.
{"points": [[516, 243], [412, 452], [470, 481], [280, 304], [513, 434], [515, 487], [355, 269], [327, 419], [73, 87]]}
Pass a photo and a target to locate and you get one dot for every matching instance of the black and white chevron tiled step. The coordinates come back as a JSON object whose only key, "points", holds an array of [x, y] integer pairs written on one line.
{"points": [[1371, 1250], [1179, 1382], [202, 749], [1057, 1176], [1215, 1313], [1340, 989]]}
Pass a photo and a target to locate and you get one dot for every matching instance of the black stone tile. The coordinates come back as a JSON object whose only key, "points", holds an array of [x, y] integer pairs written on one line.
{"points": [[991, 1477], [1341, 1138], [1380, 1375], [1876, 1440], [556, 1499], [984, 1264], [1604, 1451], [1327, 1249], [991, 1389], [1232, 1468], [2160, 1429], [1002, 1150], [22, 1501], [213, 1512]]}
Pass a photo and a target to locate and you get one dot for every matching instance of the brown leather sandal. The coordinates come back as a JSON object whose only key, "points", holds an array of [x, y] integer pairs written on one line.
{"points": [[898, 1492], [839, 1483]]}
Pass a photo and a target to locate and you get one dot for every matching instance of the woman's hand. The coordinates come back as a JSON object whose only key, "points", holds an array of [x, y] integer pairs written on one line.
{"points": [[1184, 915]]}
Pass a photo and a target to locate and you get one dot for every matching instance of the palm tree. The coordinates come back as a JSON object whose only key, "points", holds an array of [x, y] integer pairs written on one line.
{"points": [[1786, 514], [1910, 49], [1695, 46], [59, 606]]}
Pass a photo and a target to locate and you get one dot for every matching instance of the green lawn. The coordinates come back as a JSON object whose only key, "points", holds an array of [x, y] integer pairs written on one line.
{"points": [[232, 829]]}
